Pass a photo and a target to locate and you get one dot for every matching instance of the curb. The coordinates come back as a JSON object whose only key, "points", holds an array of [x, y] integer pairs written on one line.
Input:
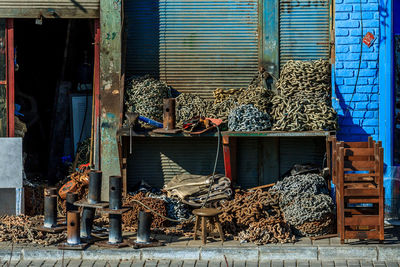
{"points": [[262, 253]]}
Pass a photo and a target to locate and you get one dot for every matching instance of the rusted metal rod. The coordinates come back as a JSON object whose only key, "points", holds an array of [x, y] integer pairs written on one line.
{"points": [[50, 211], [115, 195], [143, 233], [169, 118], [71, 198], [115, 235], [87, 222], [94, 186], [73, 231]]}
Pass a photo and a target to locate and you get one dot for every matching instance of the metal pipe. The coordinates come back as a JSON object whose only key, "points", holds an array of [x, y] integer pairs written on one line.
{"points": [[50, 211], [50, 191], [87, 222], [143, 233], [115, 202], [115, 235], [73, 237], [94, 187], [72, 197]]}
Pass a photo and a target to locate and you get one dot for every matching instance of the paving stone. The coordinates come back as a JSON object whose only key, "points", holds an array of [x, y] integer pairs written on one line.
{"points": [[252, 264], [50, 254], [303, 263], [276, 263], [62, 263], [137, 263], [176, 263], [100, 263], [335, 241], [215, 264], [388, 253], [23, 263], [6, 254], [171, 253], [87, 263], [112, 254], [391, 264], [303, 242], [379, 264], [343, 252], [189, 263], [163, 263], [13, 263], [288, 253], [340, 263], [327, 264], [151, 263], [231, 253], [319, 242], [37, 263], [290, 263], [315, 264], [265, 263], [201, 263], [74, 263], [51, 263], [365, 263], [112, 263], [239, 263]]}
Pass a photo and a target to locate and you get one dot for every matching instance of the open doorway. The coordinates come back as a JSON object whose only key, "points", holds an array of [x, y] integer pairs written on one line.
{"points": [[54, 63]]}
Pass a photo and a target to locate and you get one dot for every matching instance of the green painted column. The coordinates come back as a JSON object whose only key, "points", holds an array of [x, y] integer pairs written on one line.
{"points": [[110, 88]]}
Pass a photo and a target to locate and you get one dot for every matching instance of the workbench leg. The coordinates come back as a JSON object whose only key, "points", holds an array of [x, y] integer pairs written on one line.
{"points": [[230, 149]]}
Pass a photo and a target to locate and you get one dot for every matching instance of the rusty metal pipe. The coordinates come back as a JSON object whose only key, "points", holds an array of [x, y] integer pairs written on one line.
{"points": [[143, 233], [115, 195], [115, 235], [94, 186], [72, 197], [50, 191], [87, 222], [50, 211], [73, 237], [169, 118]]}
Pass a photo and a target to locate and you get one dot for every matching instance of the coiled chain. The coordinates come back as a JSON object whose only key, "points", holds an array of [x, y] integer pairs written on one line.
{"points": [[248, 118]]}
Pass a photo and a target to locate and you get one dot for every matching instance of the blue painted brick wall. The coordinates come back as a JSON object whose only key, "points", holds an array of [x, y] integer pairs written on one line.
{"points": [[358, 112]]}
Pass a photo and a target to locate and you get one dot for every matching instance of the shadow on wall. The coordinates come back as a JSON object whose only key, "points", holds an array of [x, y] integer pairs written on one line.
{"points": [[348, 130]]}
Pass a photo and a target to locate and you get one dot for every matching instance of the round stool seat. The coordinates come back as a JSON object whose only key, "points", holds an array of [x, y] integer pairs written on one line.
{"points": [[207, 212]]}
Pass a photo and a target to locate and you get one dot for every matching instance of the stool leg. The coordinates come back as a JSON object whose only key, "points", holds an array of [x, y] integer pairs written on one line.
{"points": [[196, 226], [203, 230], [219, 227]]}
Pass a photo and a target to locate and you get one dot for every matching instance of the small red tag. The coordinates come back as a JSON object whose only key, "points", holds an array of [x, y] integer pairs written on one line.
{"points": [[369, 39]]}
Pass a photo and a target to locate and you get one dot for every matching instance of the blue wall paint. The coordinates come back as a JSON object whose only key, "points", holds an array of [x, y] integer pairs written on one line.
{"points": [[358, 109]]}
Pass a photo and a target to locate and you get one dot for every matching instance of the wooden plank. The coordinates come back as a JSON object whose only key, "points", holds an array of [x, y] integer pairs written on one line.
{"points": [[361, 192], [360, 200], [364, 220], [361, 211], [361, 235], [35, 12], [360, 165], [359, 152], [356, 144], [349, 175]]}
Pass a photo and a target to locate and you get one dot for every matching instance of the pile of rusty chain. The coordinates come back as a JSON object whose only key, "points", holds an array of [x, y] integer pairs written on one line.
{"points": [[303, 102], [189, 106], [145, 96], [175, 209], [305, 204], [221, 95], [255, 216], [130, 218], [19, 229], [248, 118]]}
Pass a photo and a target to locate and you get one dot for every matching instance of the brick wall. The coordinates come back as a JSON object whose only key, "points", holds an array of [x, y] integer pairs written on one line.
{"points": [[358, 112]]}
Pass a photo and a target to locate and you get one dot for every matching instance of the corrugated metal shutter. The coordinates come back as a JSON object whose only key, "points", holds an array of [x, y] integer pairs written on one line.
{"points": [[157, 160], [304, 30], [194, 45], [50, 8]]}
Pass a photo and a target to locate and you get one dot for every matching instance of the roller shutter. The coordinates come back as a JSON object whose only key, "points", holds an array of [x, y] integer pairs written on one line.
{"points": [[303, 30], [50, 8], [194, 45]]}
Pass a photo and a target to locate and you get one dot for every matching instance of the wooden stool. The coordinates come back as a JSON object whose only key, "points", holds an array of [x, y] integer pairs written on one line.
{"points": [[212, 216]]}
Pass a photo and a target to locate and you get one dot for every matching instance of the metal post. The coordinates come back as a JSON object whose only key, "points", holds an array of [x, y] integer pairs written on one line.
{"points": [[50, 191], [115, 235], [71, 198], [50, 211], [115, 192], [169, 119], [143, 233], [73, 237], [87, 222], [94, 186]]}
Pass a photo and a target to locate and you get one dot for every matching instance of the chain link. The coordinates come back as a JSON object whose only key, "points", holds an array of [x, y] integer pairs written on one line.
{"points": [[248, 118]]}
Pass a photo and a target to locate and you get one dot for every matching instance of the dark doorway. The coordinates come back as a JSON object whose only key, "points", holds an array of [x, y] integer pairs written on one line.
{"points": [[54, 62]]}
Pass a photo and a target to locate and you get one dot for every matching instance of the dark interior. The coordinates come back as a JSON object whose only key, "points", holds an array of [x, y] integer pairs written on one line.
{"points": [[58, 50]]}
